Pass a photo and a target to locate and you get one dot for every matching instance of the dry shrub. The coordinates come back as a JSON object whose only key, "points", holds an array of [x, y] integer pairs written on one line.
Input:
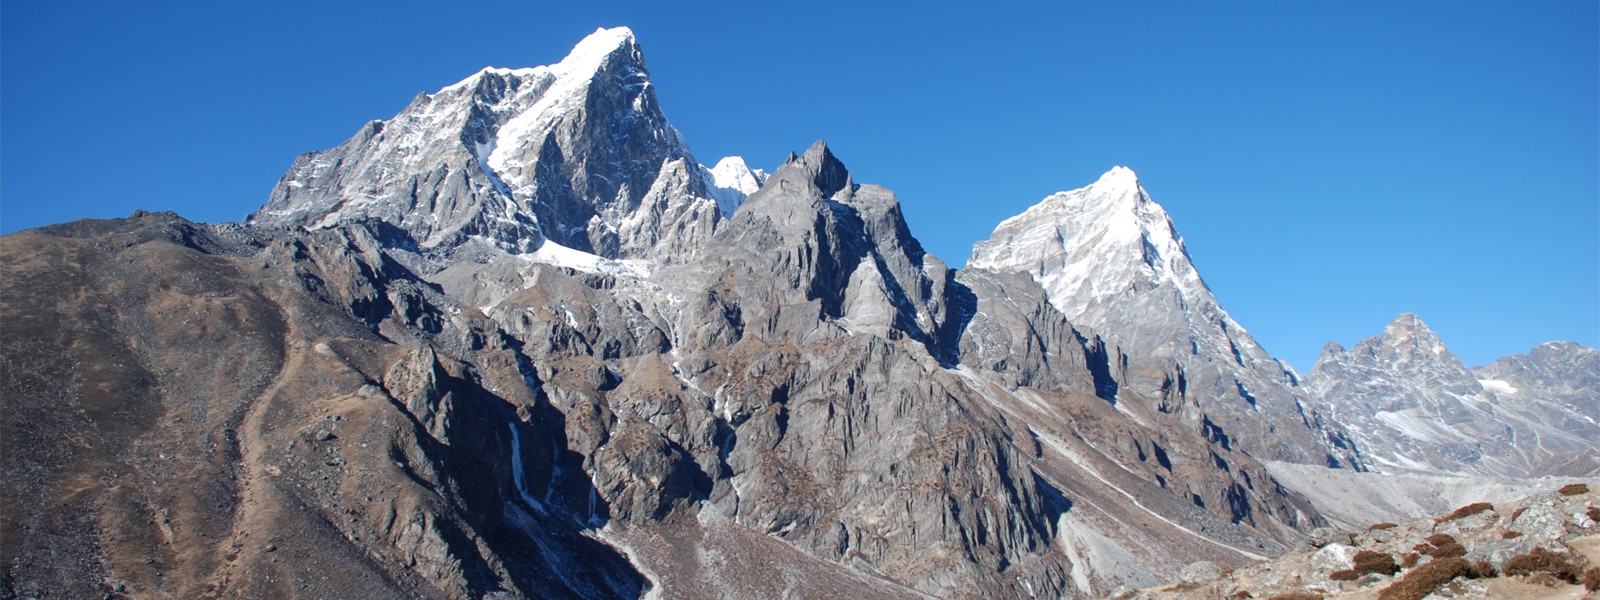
{"points": [[1540, 560], [1344, 575], [1368, 561], [1241, 595], [1465, 511], [1574, 489], [1449, 550], [1297, 596], [1518, 512], [1410, 560], [1594, 514], [1377, 526], [1591, 579], [1507, 535], [1423, 580], [1441, 545], [1482, 570]]}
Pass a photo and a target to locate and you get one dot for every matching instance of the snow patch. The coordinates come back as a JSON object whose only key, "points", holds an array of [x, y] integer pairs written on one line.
{"points": [[1499, 386], [551, 253]]}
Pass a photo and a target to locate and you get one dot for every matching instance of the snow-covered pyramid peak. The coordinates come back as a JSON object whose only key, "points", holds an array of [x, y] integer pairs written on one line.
{"points": [[577, 152], [1111, 260], [1092, 243]]}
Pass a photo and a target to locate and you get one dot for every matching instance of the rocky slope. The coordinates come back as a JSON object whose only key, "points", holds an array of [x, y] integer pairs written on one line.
{"points": [[1413, 406], [1546, 545]]}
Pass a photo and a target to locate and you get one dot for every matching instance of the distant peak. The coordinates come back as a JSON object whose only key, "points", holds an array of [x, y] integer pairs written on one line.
{"points": [[1407, 322], [1408, 331]]}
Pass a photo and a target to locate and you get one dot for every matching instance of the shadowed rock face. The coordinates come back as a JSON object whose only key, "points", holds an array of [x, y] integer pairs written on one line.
{"points": [[350, 397], [1415, 407]]}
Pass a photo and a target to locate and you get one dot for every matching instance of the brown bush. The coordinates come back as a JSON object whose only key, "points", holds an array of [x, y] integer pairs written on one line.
{"points": [[1368, 561], [1594, 514], [1465, 511], [1591, 579], [1297, 596], [1377, 526], [1574, 489], [1449, 550], [1540, 560], [1441, 545], [1410, 560], [1423, 580], [1481, 570], [1506, 535]]}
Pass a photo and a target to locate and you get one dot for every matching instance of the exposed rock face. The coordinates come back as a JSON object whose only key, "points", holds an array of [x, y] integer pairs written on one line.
{"points": [[1413, 406], [577, 153], [1112, 261]]}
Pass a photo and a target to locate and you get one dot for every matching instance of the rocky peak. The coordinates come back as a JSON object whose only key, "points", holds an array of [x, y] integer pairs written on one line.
{"points": [[1408, 334], [1413, 406], [1408, 349], [841, 249], [817, 173], [578, 153]]}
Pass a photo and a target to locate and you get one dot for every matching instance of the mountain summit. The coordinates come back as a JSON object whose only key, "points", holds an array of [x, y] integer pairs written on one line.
{"points": [[577, 153], [1111, 259]]}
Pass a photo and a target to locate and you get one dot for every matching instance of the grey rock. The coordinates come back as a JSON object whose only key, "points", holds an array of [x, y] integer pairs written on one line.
{"points": [[1332, 557], [1200, 572]]}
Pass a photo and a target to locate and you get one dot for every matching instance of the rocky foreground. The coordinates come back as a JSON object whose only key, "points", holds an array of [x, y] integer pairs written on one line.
{"points": [[1543, 546]]}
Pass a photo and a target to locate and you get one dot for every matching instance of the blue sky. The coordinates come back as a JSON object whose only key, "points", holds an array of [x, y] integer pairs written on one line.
{"points": [[1330, 165]]}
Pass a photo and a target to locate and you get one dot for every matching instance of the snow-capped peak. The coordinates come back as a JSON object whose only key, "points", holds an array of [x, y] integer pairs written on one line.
{"points": [[732, 181], [1089, 244], [1118, 179], [585, 58]]}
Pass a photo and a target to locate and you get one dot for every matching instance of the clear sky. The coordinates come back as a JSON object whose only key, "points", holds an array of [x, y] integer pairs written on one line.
{"points": [[1330, 164]]}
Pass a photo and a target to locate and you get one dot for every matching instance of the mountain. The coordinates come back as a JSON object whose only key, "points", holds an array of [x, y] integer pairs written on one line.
{"points": [[517, 342], [577, 153], [1413, 406], [1112, 261]]}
